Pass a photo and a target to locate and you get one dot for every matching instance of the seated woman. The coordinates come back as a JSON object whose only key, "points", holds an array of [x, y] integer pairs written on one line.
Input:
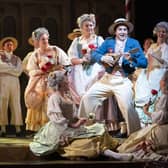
{"points": [[151, 141], [66, 134]]}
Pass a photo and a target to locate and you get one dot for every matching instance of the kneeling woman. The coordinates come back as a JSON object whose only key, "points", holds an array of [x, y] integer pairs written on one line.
{"points": [[68, 135]]}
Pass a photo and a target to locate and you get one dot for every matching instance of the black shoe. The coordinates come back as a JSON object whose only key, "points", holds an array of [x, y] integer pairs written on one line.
{"points": [[30, 134], [19, 134], [113, 133], [3, 134], [120, 135]]}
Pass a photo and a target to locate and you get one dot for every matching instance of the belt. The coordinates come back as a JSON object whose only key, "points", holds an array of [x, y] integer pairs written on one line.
{"points": [[117, 70]]}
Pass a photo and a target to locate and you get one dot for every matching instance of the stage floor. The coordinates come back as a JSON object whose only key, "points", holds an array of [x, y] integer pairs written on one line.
{"points": [[15, 153]]}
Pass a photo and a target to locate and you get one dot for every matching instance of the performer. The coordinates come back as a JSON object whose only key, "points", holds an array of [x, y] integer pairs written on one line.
{"points": [[84, 72], [147, 43], [65, 133], [44, 60], [148, 80], [10, 70], [151, 142], [120, 62]]}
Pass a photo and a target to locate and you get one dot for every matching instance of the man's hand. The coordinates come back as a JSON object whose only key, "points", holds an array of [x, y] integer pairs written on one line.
{"points": [[127, 56], [108, 60]]}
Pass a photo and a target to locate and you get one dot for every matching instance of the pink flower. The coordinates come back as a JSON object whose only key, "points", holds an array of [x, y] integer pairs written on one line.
{"points": [[154, 92], [110, 50]]}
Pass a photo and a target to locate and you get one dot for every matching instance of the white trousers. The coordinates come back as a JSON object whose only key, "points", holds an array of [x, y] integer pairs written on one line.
{"points": [[10, 96], [108, 85]]}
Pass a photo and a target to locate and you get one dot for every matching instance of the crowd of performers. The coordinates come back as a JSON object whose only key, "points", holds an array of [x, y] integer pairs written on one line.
{"points": [[82, 102]]}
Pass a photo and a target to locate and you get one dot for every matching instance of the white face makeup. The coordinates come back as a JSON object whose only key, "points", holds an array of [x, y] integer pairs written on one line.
{"points": [[121, 32]]}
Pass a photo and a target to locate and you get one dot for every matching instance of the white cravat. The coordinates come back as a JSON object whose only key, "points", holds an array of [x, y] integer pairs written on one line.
{"points": [[119, 48]]}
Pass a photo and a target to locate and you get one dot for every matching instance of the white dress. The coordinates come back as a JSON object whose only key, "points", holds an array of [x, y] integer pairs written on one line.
{"points": [[82, 76], [149, 79]]}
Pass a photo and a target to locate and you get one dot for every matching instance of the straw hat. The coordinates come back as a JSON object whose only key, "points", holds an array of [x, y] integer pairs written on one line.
{"points": [[75, 33], [121, 21], [15, 42], [30, 41]]}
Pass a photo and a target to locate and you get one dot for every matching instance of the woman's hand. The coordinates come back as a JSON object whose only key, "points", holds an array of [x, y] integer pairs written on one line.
{"points": [[85, 59], [77, 124], [145, 109]]}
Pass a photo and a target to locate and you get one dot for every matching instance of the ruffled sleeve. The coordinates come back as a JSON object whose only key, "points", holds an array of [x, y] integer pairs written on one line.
{"points": [[32, 65], [72, 51], [54, 111], [63, 58], [160, 116]]}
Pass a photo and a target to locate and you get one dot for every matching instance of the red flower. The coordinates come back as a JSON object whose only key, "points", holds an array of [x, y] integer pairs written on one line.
{"points": [[154, 92], [92, 46], [48, 64], [84, 51], [49, 56], [46, 67]]}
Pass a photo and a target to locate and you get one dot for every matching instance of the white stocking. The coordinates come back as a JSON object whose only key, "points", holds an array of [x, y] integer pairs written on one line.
{"points": [[18, 129], [3, 128], [118, 156]]}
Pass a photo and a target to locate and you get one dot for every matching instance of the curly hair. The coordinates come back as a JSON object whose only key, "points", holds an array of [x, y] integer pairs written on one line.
{"points": [[37, 33], [86, 17], [55, 78]]}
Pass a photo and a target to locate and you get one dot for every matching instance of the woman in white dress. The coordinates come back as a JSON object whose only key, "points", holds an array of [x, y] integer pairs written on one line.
{"points": [[84, 72], [148, 80]]}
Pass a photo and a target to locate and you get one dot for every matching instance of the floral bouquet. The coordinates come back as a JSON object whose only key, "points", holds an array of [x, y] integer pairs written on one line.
{"points": [[153, 97], [86, 51], [47, 63]]}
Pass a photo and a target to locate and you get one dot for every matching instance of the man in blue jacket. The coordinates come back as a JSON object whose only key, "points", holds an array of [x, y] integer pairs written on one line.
{"points": [[120, 55]]}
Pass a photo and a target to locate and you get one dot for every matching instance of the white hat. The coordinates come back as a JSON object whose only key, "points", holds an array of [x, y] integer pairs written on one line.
{"points": [[121, 21]]}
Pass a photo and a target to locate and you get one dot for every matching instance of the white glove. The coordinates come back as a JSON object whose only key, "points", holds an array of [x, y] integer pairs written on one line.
{"points": [[108, 60]]}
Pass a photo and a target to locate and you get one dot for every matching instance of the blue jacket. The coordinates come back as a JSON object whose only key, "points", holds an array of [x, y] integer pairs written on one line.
{"points": [[138, 59]]}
